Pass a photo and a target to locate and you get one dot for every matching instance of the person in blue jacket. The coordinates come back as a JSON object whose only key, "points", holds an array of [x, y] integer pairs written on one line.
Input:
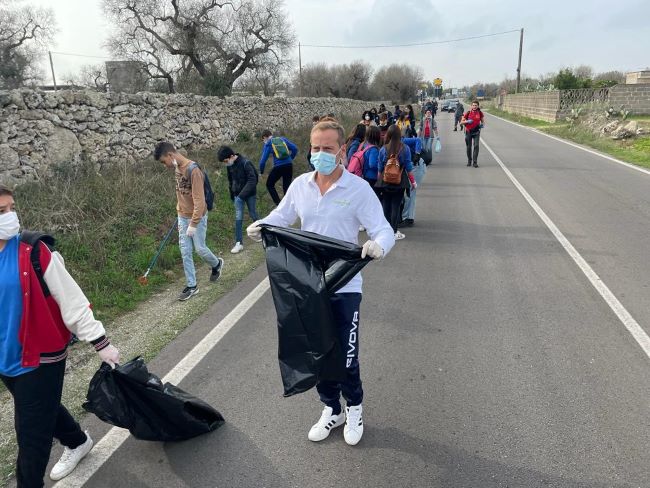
{"points": [[419, 170], [354, 140], [394, 193], [284, 152], [371, 158]]}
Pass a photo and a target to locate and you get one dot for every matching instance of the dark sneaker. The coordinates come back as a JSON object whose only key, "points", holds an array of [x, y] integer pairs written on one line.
{"points": [[188, 292], [216, 271], [469, 163], [475, 165], [406, 223]]}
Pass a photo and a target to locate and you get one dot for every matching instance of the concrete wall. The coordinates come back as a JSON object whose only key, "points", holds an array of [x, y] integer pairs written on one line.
{"points": [[635, 98], [41, 129], [547, 106], [540, 105]]}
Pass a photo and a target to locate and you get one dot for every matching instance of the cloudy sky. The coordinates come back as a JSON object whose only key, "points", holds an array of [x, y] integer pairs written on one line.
{"points": [[603, 34]]}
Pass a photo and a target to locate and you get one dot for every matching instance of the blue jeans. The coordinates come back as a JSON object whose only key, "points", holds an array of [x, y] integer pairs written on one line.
{"points": [[427, 143], [188, 244], [239, 214], [419, 171], [345, 307]]}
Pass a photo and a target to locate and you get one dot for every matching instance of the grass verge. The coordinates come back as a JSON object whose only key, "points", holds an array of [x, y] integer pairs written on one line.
{"points": [[635, 151]]}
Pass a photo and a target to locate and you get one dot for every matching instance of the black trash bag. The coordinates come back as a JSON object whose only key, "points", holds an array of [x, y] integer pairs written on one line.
{"points": [[131, 397], [305, 269]]}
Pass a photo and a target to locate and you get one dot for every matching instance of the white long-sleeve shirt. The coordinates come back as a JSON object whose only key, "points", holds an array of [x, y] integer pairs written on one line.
{"points": [[347, 204]]}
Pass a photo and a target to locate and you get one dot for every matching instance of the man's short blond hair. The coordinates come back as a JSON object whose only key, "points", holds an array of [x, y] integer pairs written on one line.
{"points": [[330, 124]]}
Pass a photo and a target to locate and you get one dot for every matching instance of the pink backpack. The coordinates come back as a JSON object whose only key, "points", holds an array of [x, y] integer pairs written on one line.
{"points": [[355, 166]]}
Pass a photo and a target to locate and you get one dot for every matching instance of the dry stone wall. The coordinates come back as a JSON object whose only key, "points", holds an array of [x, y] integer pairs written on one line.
{"points": [[39, 130]]}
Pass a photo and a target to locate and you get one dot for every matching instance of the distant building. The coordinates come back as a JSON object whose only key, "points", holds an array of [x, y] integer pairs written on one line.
{"points": [[126, 76], [638, 77]]}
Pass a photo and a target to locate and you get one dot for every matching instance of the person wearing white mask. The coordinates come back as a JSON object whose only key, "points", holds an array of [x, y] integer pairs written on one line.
{"points": [[333, 202], [41, 305]]}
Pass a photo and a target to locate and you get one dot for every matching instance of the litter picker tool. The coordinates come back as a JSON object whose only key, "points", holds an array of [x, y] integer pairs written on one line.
{"points": [[143, 279]]}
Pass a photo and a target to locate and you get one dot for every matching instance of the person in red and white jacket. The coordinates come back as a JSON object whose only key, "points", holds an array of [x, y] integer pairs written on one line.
{"points": [[39, 312], [473, 123]]}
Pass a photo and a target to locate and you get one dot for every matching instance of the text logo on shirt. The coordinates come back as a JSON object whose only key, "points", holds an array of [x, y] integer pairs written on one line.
{"points": [[342, 203]]}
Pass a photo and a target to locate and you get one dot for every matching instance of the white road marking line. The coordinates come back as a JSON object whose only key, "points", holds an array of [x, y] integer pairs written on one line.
{"points": [[617, 307], [605, 156], [115, 437]]}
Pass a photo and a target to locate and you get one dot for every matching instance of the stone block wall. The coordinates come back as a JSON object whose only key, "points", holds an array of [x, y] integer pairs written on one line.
{"points": [[540, 105], [635, 98], [41, 129]]}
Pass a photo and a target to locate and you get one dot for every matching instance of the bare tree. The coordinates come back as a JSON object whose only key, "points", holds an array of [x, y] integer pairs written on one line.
{"points": [[25, 31], [318, 80], [221, 40], [397, 82], [353, 80], [90, 76]]}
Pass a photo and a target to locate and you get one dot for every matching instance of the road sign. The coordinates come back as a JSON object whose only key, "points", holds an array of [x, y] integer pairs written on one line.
{"points": [[437, 82]]}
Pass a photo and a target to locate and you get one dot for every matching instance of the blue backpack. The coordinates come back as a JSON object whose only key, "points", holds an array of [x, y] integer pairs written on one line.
{"points": [[207, 188]]}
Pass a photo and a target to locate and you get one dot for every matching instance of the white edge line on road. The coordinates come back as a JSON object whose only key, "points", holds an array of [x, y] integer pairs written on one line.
{"points": [[617, 307], [559, 139], [115, 437]]}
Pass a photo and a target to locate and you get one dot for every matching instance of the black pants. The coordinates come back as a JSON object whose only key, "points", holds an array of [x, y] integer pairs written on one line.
{"points": [[378, 191], [345, 307], [391, 201], [39, 417], [286, 173], [468, 142]]}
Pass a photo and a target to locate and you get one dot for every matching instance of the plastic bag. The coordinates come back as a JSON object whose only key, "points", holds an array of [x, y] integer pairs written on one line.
{"points": [[305, 269], [438, 147], [131, 397]]}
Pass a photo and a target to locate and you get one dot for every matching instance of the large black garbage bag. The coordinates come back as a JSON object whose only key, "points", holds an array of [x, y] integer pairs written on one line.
{"points": [[305, 269], [131, 397]]}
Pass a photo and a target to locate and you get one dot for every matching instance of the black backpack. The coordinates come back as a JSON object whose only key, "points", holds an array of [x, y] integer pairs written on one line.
{"points": [[207, 188], [32, 238]]}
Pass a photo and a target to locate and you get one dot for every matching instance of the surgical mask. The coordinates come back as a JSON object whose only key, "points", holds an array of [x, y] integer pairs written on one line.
{"points": [[324, 163], [367, 117], [175, 163], [9, 225], [230, 163]]}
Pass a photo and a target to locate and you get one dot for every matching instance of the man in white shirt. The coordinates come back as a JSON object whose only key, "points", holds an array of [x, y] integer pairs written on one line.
{"points": [[333, 202]]}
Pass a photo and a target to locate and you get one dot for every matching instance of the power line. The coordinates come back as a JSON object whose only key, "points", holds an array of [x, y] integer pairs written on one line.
{"points": [[411, 45], [80, 55]]}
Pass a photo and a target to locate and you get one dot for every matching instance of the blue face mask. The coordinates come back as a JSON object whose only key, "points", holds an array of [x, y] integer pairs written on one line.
{"points": [[324, 163]]}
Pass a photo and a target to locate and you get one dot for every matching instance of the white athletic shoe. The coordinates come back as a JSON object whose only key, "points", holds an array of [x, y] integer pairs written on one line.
{"points": [[353, 425], [70, 459], [321, 429], [238, 248], [399, 236]]}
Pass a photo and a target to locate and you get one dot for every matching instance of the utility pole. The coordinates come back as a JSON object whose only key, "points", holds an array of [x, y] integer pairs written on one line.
{"points": [[300, 67], [52, 68], [521, 45]]}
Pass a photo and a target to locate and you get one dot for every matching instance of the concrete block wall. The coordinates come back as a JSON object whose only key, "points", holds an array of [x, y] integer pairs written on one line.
{"points": [[635, 98]]}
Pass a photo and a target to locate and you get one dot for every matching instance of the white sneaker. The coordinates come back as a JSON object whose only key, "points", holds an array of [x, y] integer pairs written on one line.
{"points": [[70, 459], [321, 429], [353, 425], [239, 247], [399, 236]]}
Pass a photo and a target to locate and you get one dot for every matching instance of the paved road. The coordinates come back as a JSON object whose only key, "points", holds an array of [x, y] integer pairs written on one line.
{"points": [[499, 365]]}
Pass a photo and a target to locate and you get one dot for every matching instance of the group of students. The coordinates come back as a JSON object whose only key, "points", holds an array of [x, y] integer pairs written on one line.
{"points": [[42, 305]]}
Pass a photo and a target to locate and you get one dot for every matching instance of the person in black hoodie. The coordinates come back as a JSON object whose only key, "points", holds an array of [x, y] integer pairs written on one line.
{"points": [[242, 183]]}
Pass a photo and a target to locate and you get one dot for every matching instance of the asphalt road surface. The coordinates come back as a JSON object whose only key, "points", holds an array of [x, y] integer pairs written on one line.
{"points": [[488, 357]]}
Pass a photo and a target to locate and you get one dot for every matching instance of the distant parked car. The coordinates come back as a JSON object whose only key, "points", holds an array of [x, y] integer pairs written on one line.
{"points": [[445, 106], [452, 105]]}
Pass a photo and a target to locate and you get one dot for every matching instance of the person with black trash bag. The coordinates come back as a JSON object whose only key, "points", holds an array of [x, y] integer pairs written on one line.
{"points": [[333, 202], [41, 306]]}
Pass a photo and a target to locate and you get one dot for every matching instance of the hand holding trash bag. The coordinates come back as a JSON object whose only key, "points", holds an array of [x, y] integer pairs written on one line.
{"points": [[110, 355], [372, 250], [254, 231], [131, 397]]}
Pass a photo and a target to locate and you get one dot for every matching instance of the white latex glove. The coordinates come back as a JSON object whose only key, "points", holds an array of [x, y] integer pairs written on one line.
{"points": [[254, 231], [414, 186], [190, 231], [110, 355], [372, 250]]}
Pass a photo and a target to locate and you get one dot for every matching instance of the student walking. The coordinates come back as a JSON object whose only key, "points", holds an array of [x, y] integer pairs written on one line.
{"points": [[242, 183], [41, 307], [395, 176], [355, 138], [473, 123], [315, 199], [419, 172], [284, 152], [428, 131], [192, 209], [458, 115]]}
